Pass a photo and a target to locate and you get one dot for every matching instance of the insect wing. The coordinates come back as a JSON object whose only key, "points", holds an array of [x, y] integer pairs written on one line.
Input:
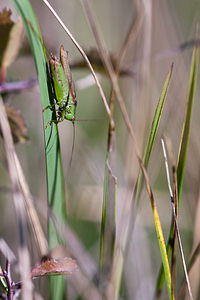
{"points": [[65, 64], [58, 79]]}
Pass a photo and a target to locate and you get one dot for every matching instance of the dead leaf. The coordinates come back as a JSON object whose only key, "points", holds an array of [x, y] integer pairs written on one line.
{"points": [[62, 266], [5, 16], [5, 26], [13, 45], [17, 124]]}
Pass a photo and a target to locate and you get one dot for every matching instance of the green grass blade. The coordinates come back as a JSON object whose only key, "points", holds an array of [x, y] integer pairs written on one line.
{"points": [[163, 251], [159, 235], [55, 179], [183, 149], [152, 135]]}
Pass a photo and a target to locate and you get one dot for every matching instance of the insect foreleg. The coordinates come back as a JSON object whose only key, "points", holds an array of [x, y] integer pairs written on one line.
{"points": [[49, 107]]}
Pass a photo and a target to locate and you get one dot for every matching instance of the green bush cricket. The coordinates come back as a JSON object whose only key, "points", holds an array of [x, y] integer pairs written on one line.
{"points": [[63, 87], [64, 91]]}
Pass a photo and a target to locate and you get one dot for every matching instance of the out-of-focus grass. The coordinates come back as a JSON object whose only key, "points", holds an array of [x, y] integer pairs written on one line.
{"points": [[84, 182], [183, 149]]}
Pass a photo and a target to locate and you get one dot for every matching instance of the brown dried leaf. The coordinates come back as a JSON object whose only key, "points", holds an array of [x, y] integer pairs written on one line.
{"points": [[13, 45], [17, 124], [5, 17], [50, 267], [5, 26]]}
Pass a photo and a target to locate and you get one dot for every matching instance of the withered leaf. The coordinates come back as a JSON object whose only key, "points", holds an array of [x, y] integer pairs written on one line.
{"points": [[5, 26], [17, 124], [13, 45], [5, 16], [62, 266]]}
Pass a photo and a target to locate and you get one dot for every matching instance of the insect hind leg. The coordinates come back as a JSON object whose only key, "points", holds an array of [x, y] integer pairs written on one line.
{"points": [[53, 121], [59, 120]]}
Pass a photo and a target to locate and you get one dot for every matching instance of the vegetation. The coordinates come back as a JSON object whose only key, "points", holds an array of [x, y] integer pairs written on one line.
{"points": [[76, 221]]}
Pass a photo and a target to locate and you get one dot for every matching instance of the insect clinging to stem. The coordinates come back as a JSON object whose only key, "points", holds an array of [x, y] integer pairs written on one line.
{"points": [[63, 87], [64, 91]]}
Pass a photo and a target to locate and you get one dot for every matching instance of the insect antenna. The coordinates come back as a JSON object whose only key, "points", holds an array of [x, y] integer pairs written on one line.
{"points": [[89, 120]]}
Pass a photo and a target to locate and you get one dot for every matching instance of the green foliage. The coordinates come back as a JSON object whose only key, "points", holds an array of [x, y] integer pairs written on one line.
{"points": [[152, 136]]}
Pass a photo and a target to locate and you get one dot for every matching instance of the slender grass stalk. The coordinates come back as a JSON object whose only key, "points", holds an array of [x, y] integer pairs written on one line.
{"points": [[193, 260], [24, 259], [176, 223], [110, 265], [40, 239], [108, 223]]}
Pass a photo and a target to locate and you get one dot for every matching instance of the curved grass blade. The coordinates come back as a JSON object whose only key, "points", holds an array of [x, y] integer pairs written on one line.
{"points": [[55, 179], [183, 149], [163, 252], [152, 136], [160, 235]]}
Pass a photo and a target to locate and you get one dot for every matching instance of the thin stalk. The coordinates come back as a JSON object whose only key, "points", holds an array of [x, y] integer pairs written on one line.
{"points": [[175, 219], [23, 253]]}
